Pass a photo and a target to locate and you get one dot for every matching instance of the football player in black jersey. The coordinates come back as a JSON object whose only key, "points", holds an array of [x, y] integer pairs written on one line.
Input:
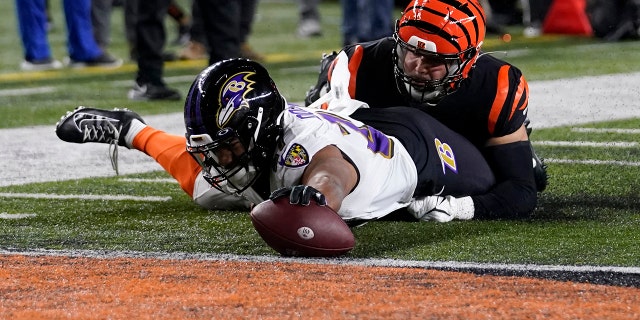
{"points": [[434, 63]]}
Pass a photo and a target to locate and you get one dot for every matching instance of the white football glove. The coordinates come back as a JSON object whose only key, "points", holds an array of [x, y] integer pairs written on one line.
{"points": [[441, 209]]}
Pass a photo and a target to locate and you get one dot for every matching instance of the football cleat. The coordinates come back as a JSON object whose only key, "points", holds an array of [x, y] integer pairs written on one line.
{"points": [[96, 125]]}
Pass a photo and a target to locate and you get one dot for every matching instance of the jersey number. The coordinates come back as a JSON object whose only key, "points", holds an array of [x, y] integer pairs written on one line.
{"points": [[377, 141]]}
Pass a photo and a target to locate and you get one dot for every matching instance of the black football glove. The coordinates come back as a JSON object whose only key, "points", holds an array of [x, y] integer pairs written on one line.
{"points": [[300, 195]]}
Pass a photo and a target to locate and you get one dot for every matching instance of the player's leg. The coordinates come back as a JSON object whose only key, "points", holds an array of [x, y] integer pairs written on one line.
{"points": [[125, 128], [170, 152]]}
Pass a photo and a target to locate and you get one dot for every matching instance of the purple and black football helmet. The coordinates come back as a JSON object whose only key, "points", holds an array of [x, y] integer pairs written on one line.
{"points": [[231, 112]]}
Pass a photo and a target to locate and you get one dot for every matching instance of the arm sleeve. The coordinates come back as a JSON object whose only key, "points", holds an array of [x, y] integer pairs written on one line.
{"points": [[514, 195]]}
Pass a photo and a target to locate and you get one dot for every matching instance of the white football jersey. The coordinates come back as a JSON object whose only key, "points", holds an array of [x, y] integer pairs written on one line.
{"points": [[387, 173]]}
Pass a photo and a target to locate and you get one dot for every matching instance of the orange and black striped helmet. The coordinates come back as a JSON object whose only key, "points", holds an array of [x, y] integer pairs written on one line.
{"points": [[449, 30]]}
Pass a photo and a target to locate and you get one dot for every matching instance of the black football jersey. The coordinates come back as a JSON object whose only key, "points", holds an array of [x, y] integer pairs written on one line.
{"points": [[492, 102]]}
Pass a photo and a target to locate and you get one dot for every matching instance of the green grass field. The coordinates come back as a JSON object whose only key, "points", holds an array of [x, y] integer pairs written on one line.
{"points": [[589, 215]]}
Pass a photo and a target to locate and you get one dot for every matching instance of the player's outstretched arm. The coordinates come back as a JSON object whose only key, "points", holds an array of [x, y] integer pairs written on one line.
{"points": [[331, 174]]}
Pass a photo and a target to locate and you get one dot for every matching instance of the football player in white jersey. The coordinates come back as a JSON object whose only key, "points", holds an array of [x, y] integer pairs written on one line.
{"points": [[245, 143]]}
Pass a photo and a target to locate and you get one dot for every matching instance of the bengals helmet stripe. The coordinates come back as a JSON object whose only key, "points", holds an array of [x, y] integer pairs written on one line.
{"points": [[451, 31], [434, 18]]}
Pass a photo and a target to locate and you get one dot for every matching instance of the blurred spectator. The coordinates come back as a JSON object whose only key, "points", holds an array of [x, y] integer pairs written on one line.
{"points": [[195, 49], [101, 11], [49, 16], [309, 23], [81, 45], [145, 18], [183, 20], [366, 20], [504, 12], [101, 21], [247, 16], [533, 13], [221, 29], [492, 26], [614, 20]]}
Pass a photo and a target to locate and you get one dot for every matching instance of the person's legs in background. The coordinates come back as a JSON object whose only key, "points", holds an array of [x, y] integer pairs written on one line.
{"points": [[150, 39], [221, 27], [183, 20], [248, 13], [81, 43], [309, 19], [196, 47], [350, 21], [376, 19], [32, 25], [101, 21]]}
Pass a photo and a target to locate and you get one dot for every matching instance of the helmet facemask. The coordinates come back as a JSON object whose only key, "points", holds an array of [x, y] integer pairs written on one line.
{"points": [[449, 32], [428, 91], [224, 160]]}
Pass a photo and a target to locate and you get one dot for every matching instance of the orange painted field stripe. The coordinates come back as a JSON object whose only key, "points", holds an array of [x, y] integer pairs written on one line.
{"points": [[46, 287]]}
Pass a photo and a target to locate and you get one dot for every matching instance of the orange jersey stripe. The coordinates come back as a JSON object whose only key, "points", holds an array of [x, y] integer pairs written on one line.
{"points": [[502, 92], [331, 66], [354, 64], [523, 88]]}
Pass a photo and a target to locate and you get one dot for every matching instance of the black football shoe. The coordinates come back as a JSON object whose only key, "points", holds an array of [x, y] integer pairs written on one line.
{"points": [[144, 92], [96, 125]]}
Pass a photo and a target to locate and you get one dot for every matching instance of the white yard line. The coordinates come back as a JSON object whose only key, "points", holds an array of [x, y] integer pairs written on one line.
{"points": [[609, 144], [606, 130], [12, 216], [594, 162], [26, 91], [83, 197]]}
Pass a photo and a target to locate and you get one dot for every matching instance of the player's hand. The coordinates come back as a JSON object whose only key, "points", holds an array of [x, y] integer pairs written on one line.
{"points": [[441, 209], [300, 195]]}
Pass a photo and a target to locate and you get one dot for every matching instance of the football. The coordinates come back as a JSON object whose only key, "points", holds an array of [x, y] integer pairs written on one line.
{"points": [[302, 231]]}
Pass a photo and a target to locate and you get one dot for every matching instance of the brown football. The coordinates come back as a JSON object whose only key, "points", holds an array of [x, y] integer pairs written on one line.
{"points": [[302, 231]]}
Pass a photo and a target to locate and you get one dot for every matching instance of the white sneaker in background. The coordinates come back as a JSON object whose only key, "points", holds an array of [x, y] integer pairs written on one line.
{"points": [[309, 28], [40, 65]]}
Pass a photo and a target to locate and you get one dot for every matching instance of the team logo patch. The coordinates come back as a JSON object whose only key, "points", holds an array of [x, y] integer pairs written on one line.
{"points": [[447, 157], [297, 156]]}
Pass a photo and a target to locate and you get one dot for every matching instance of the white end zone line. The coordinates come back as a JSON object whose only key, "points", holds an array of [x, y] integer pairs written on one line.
{"points": [[82, 197], [580, 272], [335, 261]]}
